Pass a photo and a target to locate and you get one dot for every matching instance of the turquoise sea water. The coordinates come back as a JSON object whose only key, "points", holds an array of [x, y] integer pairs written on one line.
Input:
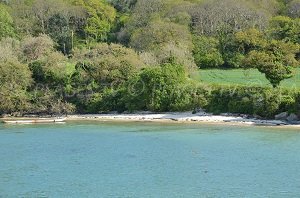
{"points": [[148, 160]]}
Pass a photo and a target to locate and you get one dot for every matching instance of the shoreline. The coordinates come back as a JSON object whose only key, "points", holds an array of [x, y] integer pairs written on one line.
{"points": [[173, 117], [184, 117]]}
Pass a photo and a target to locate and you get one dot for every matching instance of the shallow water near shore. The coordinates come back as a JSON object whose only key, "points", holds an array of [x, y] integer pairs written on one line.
{"points": [[96, 159]]}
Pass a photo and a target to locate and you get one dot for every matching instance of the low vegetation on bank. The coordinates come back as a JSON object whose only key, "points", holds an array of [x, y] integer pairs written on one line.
{"points": [[97, 56]]}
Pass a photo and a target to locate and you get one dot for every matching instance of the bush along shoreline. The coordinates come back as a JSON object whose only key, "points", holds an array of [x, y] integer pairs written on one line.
{"points": [[158, 89], [261, 103]]}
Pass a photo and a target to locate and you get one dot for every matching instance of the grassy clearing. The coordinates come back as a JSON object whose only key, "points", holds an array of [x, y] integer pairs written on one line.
{"points": [[250, 77]]}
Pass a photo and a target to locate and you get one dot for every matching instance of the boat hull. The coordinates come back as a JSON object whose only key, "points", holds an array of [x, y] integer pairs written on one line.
{"points": [[35, 121]]}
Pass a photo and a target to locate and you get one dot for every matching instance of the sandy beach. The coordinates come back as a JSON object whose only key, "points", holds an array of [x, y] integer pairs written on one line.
{"points": [[170, 117], [181, 118]]}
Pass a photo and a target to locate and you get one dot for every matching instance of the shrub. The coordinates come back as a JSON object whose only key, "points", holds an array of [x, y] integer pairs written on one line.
{"points": [[13, 86], [206, 52]]}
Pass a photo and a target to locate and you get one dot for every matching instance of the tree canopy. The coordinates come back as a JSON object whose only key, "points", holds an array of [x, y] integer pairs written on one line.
{"points": [[59, 56], [7, 23]]}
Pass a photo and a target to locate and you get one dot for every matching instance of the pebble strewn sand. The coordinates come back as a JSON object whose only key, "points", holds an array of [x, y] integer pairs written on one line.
{"points": [[180, 117]]}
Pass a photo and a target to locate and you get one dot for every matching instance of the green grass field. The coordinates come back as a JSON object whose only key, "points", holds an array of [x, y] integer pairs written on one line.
{"points": [[251, 77]]}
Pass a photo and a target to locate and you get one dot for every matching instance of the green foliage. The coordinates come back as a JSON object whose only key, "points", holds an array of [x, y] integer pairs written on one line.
{"points": [[264, 102], [6, 23], [161, 33], [274, 58], [170, 37], [59, 30], [162, 95], [13, 86], [285, 28], [98, 70], [251, 39], [123, 5], [34, 48], [206, 52], [9, 49], [37, 88], [170, 95], [48, 101], [143, 13], [50, 70], [158, 89], [108, 63], [266, 63], [164, 41], [48, 66], [100, 18]]}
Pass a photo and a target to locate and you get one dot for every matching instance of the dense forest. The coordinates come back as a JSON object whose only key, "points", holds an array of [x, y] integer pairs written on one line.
{"points": [[97, 56]]}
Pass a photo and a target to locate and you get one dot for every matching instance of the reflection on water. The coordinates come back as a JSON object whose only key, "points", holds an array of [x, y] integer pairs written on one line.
{"points": [[93, 159]]}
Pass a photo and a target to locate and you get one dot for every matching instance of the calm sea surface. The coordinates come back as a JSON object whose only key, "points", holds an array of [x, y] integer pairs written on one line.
{"points": [[93, 159]]}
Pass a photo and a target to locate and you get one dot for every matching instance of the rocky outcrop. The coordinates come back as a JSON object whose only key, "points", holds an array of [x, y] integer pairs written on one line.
{"points": [[292, 118], [282, 116], [287, 117]]}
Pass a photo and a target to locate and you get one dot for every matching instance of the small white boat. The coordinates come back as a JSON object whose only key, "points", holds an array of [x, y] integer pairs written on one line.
{"points": [[35, 121]]}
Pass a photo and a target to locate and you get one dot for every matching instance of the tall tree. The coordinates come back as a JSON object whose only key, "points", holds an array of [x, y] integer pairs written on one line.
{"points": [[123, 5], [101, 17], [60, 31], [285, 28], [206, 52], [6, 23], [14, 86], [106, 64], [275, 60]]}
